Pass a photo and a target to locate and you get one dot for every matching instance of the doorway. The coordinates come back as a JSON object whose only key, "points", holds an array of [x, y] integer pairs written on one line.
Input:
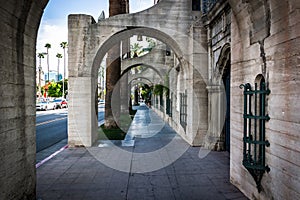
{"points": [[226, 128]]}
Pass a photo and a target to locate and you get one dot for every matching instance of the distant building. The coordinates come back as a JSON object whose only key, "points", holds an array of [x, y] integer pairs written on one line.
{"points": [[53, 76]]}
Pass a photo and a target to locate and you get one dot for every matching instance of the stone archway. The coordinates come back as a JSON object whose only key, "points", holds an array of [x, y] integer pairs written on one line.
{"points": [[127, 80], [147, 71], [141, 80], [89, 60]]}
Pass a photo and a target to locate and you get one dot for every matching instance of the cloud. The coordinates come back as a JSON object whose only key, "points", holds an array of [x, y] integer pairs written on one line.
{"points": [[139, 5], [53, 33], [54, 30]]}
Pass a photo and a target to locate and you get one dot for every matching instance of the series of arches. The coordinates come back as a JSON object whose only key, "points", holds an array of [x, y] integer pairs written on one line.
{"points": [[250, 41]]}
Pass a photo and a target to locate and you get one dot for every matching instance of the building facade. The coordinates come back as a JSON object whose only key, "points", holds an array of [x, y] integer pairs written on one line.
{"points": [[53, 76]]}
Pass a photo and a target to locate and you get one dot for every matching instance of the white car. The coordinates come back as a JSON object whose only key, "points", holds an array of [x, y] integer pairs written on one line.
{"points": [[42, 104]]}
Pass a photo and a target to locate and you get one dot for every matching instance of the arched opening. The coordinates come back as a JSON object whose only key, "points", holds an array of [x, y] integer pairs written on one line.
{"points": [[125, 35], [224, 68], [225, 135], [131, 86], [129, 32], [145, 68]]}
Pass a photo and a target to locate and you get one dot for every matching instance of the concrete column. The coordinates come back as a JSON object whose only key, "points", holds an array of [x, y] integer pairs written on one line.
{"points": [[124, 93], [124, 79], [216, 118], [82, 116], [82, 120]]}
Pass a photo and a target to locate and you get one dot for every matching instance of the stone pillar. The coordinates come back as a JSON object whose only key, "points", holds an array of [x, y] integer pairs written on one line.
{"points": [[82, 118], [81, 113], [136, 95], [124, 93], [124, 79], [216, 118], [125, 119]]}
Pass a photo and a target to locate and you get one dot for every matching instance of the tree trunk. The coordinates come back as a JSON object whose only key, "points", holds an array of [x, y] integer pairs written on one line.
{"points": [[113, 70]]}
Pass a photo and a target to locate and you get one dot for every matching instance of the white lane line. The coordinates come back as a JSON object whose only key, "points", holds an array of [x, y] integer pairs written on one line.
{"points": [[50, 121]]}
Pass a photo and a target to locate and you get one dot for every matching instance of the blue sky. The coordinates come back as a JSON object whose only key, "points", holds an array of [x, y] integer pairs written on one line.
{"points": [[53, 27]]}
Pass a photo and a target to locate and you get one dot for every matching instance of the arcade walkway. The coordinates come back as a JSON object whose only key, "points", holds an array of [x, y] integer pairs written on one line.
{"points": [[153, 163]]}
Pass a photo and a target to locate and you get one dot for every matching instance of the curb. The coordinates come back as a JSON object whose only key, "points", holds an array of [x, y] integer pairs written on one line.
{"points": [[60, 150], [49, 157]]}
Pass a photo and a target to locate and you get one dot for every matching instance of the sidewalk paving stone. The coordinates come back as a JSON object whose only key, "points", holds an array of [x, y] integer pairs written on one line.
{"points": [[82, 173]]}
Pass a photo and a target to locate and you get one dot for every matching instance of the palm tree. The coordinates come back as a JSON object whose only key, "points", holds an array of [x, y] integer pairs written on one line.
{"points": [[64, 45], [135, 49], [40, 56], [113, 70], [58, 56], [48, 46]]}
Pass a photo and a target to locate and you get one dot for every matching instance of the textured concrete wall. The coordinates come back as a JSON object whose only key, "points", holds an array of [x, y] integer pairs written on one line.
{"points": [[265, 40], [19, 22]]}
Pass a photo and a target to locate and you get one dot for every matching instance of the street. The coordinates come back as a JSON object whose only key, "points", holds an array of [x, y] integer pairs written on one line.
{"points": [[51, 131]]}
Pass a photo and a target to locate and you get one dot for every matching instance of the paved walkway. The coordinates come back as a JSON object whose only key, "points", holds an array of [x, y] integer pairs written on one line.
{"points": [[152, 163]]}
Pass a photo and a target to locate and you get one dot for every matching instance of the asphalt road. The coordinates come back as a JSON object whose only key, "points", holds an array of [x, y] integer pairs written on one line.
{"points": [[51, 130], [51, 127]]}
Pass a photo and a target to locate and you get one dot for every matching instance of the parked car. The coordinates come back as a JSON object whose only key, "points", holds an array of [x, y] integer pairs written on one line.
{"points": [[61, 103], [45, 104], [57, 103], [64, 103]]}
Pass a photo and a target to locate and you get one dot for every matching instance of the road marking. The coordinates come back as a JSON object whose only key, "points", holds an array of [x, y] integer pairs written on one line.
{"points": [[54, 120], [51, 156]]}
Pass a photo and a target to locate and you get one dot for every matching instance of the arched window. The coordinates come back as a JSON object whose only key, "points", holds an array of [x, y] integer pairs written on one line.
{"points": [[255, 117]]}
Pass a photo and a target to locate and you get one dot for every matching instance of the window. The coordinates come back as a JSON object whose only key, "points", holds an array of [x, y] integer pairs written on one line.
{"points": [[196, 5], [168, 51], [183, 109], [207, 5], [169, 104], [161, 102], [254, 142]]}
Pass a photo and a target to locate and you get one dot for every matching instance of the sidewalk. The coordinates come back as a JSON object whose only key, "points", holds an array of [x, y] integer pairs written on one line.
{"points": [[156, 164]]}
